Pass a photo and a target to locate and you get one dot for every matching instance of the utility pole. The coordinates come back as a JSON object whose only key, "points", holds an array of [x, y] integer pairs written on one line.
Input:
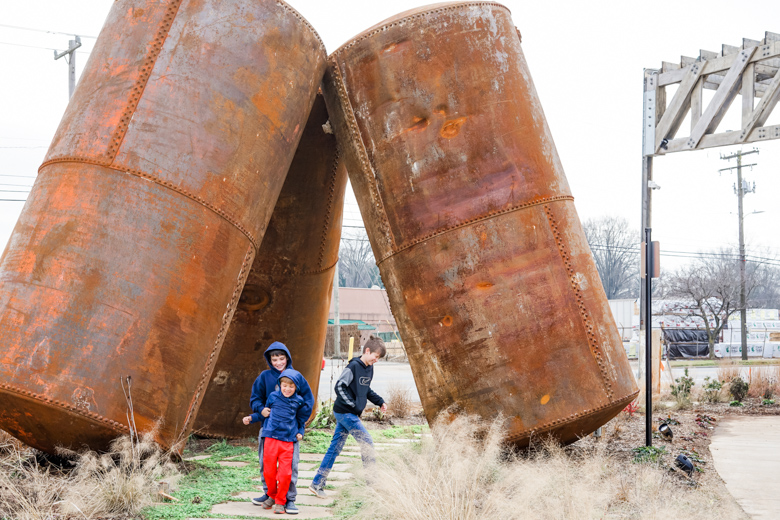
{"points": [[71, 60], [741, 188]]}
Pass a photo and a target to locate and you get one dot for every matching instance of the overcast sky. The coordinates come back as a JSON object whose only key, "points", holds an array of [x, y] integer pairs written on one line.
{"points": [[586, 59]]}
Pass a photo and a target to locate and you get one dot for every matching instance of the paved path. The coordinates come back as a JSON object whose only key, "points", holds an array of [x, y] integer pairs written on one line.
{"points": [[746, 453], [309, 505]]}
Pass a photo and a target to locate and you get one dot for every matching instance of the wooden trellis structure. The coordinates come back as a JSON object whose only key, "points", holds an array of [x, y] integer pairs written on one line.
{"points": [[749, 70]]}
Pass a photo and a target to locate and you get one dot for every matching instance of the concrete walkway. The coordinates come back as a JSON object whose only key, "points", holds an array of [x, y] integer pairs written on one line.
{"points": [[746, 453]]}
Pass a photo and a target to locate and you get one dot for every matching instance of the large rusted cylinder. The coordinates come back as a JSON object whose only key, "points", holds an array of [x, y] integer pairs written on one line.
{"points": [[129, 257], [473, 225], [287, 295]]}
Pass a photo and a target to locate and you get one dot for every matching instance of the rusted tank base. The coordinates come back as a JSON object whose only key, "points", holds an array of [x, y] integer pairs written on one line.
{"points": [[572, 429], [27, 415]]}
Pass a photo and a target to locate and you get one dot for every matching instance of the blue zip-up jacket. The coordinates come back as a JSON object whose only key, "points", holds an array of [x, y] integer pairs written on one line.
{"points": [[288, 414], [352, 388], [268, 381]]}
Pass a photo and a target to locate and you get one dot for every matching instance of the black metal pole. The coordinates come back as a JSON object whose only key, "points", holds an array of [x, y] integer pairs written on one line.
{"points": [[648, 339]]}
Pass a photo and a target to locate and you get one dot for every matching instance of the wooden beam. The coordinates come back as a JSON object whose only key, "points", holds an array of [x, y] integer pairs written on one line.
{"points": [[770, 50], [747, 42], [666, 66], [765, 133], [771, 37], [759, 116], [729, 49], [697, 99], [707, 55], [669, 124], [748, 92], [723, 98]]}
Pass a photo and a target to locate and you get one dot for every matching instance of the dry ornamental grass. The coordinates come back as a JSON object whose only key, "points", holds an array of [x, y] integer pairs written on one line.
{"points": [[456, 474]]}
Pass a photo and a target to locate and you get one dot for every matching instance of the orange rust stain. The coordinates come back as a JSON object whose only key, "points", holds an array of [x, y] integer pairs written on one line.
{"points": [[545, 399], [452, 127], [138, 12], [390, 48], [483, 236], [447, 321], [484, 285], [418, 124]]}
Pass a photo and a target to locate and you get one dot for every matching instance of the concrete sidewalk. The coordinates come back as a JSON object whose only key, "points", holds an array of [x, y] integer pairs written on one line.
{"points": [[746, 453]]}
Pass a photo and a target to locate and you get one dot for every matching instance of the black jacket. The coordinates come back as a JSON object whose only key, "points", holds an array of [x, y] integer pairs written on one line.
{"points": [[352, 388]]}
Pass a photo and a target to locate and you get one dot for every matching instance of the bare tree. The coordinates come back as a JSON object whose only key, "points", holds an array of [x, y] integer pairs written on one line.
{"points": [[615, 249], [710, 285], [357, 267]]}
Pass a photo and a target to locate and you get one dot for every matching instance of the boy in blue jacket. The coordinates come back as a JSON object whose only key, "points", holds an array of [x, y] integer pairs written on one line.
{"points": [[278, 358], [285, 420], [352, 391]]}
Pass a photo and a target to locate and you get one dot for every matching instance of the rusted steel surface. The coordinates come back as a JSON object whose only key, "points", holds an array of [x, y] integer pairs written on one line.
{"points": [[287, 295], [136, 240], [473, 224]]}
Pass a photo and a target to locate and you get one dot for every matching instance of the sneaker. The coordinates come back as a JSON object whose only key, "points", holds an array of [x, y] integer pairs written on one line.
{"points": [[318, 492], [268, 504], [279, 509], [259, 501], [291, 508]]}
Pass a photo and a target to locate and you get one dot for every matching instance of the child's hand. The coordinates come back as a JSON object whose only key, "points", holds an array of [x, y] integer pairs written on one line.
{"points": [[383, 407], [266, 412], [299, 436], [247, 420]]}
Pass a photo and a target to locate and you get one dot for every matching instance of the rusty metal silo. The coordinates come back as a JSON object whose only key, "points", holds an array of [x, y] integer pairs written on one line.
{"points": [[287, 295], [473, 225], [135, 242]]}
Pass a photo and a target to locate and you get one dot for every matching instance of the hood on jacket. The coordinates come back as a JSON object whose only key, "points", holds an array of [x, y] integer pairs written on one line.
{"points": [[296, 377], [277, 345]]}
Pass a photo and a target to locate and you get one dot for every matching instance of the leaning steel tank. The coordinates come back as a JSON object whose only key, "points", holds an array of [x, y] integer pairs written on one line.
{"points": [[287, 295], [130, 255], [473, 224]]}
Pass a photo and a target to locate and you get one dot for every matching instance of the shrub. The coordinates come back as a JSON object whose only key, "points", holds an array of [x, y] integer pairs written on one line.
{"points": [[738, 388], [712, 390], [682, 390], [728, 369], [324, 417], [399, 401]]}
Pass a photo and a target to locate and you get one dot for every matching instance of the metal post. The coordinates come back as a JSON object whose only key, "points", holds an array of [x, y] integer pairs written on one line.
{"points": [[336, 320], [648, 339], [648, 148], [71, 53]]}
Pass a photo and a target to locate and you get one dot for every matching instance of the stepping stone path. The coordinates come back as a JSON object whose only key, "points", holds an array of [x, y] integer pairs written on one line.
{"points": [[309, 506]]}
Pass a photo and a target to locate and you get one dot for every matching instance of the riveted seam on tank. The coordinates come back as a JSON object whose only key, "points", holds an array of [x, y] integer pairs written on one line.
{"points": [[586, 320], [328, 221], [166, 184], [147, 65], [290, 9], [357, 142], [226, 319], [406, 19], [68, 408], [317, 271], [571, 418], [474, 220]]}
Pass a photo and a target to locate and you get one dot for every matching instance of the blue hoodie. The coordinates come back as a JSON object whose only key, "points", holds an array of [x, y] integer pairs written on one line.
{"points": [[288, 414], [268, 382]]}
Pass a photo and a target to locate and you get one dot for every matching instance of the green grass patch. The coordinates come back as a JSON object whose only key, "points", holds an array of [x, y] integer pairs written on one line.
{"points": [[714, 363], [199, 491], [222, 450], [399, 432], [651, 454]]}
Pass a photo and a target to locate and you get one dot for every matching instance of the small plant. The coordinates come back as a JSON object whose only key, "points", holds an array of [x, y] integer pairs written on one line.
{"points": [[325, 417], [712, 390], [736, 403], [399, 401], [631, 409], [682, 390], [651, 454], [768, 402], [378, 415], [738, 388]]}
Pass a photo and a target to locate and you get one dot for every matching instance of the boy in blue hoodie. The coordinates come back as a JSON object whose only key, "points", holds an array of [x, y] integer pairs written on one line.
{"points": [[278, 358], [285, 420]]}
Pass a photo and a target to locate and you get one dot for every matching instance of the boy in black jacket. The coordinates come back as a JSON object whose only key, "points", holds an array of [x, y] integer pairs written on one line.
{"points": [[352, 391]]}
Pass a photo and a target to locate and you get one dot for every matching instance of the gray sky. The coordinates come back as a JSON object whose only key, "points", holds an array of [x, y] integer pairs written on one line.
{"points": [[586, 58]]}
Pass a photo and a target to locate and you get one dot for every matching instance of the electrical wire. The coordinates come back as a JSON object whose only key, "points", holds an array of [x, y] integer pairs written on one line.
{"points": [[45, 31]]}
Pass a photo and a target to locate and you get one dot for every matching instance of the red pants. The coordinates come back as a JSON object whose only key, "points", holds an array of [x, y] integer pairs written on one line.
{"points": [[282, 452]]}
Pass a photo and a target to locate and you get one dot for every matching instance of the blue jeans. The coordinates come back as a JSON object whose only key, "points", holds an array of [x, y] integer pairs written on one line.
{"points": [[346, 424], [292, 493]]}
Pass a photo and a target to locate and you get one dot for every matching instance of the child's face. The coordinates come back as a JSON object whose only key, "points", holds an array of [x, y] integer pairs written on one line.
{"points": [[279, 361], [369, 358], [288, 389]]}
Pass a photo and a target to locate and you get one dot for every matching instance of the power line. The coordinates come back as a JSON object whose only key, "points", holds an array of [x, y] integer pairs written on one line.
{"points": [[25, 176], [45, 31], [13, 200], [37, 47]]}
